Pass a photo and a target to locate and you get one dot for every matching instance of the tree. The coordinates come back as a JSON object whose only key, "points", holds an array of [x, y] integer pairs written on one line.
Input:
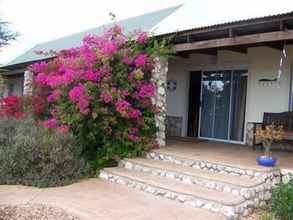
{"points": [[6, 34]]}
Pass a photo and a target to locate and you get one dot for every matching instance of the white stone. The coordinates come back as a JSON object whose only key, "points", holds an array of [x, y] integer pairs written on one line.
{"points": [[103, 175], [207, 206], [227, 189], [199, 203], [128, 165], [181, 198], [235, 192], [170, 175], [229, 212], [187, 180]]}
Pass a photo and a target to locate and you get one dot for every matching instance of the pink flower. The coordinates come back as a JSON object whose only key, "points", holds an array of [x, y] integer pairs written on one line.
{"points": [[68, 76], [140, 60], [54, 95], [124, 92], [133, 130], [142, 37], [87, 53], [106, 97], [76, 93], [91, 76], [41, 79], [127, 60], [134, 114], [55, 80], [63, 129], [122, 105], [83, 105], [133, 137], [146, 90], [109, 48], [50, 123], [39, 67]]}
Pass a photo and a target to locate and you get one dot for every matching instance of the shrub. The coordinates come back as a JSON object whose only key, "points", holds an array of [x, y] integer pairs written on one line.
{"points": [[38, 156], [282, 201], [102, 91], [12, 106]]}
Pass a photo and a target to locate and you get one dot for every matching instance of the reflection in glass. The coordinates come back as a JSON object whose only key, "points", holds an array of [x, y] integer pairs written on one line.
{"points": [[223, 104]]}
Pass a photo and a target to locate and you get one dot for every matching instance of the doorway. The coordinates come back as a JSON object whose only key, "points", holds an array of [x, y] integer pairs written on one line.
{"points": [[194, 103], [222, 115]]}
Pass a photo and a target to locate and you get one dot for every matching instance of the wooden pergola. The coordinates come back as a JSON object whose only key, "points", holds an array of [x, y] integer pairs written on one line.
{"points": [[271, 31]]}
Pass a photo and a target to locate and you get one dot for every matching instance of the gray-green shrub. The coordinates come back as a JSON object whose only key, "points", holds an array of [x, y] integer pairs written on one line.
{"points": [[282, 201], [34, 155]]}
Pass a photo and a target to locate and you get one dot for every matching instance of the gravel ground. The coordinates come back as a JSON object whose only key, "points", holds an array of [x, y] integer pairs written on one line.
{"points": [[33, 212]]}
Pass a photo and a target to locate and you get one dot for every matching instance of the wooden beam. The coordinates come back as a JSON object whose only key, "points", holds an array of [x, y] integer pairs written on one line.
{"points": [[237, 49], [275, 45], [235, 41]]}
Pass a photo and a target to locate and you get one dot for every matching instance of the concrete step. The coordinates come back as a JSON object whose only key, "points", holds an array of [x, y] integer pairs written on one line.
{"points": [[199, 162], [244, 186], [197, 196]]}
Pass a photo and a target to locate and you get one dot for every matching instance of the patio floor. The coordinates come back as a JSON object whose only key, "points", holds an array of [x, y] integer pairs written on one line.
{"points": [[226, 153]]}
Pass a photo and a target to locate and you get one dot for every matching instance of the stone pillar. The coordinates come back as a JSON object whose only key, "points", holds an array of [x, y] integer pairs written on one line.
{"points": [[3, 87], [160, 99], [250, 133], [28, 83]]}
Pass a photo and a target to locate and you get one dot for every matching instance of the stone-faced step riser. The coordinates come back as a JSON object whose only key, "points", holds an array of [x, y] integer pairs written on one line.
{"points": [[270, 176], [260, 191], [232, 212]]}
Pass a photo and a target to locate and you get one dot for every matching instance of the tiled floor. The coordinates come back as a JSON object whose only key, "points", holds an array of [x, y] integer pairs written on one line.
{"points": [[236, 154]]}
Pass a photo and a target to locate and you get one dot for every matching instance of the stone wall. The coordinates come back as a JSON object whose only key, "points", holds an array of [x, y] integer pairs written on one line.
{"points": [[27, 84], [160, 80], [250, 133], [174, 126]]}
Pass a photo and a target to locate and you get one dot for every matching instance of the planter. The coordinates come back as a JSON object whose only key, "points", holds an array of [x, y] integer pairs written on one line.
{"points": [[266, 161]]}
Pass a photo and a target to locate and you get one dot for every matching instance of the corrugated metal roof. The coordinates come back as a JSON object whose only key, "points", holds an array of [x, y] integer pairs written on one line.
{"points": [[210, 13], [143, 22], [178, 19], [231, 23]]}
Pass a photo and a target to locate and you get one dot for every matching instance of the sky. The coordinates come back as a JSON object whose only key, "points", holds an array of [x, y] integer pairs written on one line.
{"points": [[39, 21]]}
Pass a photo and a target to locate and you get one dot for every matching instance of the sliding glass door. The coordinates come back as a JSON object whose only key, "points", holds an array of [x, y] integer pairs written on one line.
{"points": [[223, 104]]}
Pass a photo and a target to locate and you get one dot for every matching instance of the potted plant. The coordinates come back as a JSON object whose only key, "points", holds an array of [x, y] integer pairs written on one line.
{"points": [[268, 135]]}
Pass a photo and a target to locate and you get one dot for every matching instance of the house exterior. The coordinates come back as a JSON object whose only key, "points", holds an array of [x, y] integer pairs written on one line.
{"points": [[223, 79]]}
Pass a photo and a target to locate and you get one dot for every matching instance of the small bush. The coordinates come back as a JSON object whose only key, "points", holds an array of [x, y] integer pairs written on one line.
{"points": [[282, 201], [38, 156]]}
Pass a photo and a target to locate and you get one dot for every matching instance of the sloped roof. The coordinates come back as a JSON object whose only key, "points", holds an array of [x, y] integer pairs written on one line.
{"points": [[178, 19], [144, 22], [195, 15]]}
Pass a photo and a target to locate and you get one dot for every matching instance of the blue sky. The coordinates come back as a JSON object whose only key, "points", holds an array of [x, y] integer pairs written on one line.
{"points": [[43, 20]]}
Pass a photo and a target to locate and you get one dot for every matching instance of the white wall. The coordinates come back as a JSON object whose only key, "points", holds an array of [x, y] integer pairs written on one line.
{"points": [[265, 97], [261, 62]]}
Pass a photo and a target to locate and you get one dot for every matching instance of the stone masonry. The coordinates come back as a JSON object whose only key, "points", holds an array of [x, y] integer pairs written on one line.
{"points": [[160, 80], [236, 190], [27, 84]]}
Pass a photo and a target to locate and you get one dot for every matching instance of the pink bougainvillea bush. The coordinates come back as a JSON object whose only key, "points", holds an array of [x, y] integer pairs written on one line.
{"points": [[12, 106], [102, 91]]}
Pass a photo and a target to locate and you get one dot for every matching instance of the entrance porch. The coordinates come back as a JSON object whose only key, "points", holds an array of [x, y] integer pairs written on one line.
{"points": [[224, 153]]}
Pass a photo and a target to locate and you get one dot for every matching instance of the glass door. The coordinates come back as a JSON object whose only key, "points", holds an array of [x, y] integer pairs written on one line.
{"points": [[223, 104]]}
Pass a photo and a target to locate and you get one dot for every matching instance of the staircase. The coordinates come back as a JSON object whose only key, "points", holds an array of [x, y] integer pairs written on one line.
{"points": [[222, 188]]}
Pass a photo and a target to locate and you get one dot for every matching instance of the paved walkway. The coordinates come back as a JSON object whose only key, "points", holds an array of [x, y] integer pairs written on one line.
{"points": [[95, 199]]}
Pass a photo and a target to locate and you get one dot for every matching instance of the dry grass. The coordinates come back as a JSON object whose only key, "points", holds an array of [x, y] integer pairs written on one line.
{"points": [[33, 212]]}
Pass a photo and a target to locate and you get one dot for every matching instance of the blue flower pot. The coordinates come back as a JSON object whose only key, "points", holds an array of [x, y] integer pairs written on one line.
{"points": [[266, 161]]}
